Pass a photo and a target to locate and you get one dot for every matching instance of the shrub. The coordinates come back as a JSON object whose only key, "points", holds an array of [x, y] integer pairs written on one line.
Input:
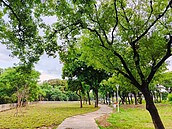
{"points": [[169, 97]]}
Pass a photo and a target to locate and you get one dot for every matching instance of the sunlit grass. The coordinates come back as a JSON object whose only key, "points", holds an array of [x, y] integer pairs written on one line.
{"points": [[132, 117], [42, 115]]}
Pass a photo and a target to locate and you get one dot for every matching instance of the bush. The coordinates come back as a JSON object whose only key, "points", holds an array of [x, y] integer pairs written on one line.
{"points": [[169, 97]]}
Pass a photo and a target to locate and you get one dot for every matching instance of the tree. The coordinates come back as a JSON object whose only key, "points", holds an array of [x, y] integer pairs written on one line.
{"points": [[76, 69], [76, 86], [128, 37], [20, 82]]}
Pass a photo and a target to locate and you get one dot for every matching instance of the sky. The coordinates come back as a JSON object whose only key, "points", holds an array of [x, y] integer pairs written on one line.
{"points": [[49, 67]]}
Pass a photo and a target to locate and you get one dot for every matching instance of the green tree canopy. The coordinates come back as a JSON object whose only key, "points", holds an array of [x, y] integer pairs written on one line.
{"points": [[19, 81]]}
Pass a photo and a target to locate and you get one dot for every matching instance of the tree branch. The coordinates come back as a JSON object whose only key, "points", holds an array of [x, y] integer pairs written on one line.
{"points": [[166, 56], [150, 13], [104, 33], [97, 33], [135, 83], [137, 62], [153, 23], [125, 15], [15, 15], [116, 13], [64, 27], [126, 68]]}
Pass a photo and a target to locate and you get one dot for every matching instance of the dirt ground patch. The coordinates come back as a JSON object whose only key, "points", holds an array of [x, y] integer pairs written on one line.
{"points": [[102, 121]]}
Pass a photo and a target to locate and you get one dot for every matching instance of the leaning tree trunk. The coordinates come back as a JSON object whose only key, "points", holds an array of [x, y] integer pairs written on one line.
{"points": [[80, 97], [150, 106]]}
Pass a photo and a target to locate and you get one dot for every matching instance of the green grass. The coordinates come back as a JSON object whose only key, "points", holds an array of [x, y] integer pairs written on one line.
{"points": [[42, 115], [136, 117]]}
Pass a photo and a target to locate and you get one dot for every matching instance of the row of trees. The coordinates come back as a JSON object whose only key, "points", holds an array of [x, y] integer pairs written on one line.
{"points": [[56, 90], [19, 84], [130, 38]]}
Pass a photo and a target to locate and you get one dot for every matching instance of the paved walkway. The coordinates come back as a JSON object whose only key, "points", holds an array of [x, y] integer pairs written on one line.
{"points": [[85, 121]]}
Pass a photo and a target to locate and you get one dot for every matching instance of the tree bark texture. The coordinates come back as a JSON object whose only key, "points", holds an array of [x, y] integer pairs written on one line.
{"points": [[150, 106]]}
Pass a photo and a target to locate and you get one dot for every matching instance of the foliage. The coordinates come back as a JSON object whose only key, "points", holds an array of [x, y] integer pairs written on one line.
{"points": [[18, 81], [20, 31], [81, 77], [169, 97], [166, 79], [72, 96], [56, 92], [43, 115], [57, 82]]}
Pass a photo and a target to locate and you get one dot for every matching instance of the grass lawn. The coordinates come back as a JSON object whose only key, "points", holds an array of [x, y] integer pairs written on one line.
{"points": [[136, 117], [42, 115]]}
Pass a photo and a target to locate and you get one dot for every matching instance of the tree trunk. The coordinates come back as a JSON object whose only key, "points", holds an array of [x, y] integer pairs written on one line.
{"points": [[106, 98], [89, 100], [131, 97], [109, 99], [80, 101], [96, 97], [135, 98], [140, 98], [154, 96], [150, 106], [128, 99], [80, 97]]}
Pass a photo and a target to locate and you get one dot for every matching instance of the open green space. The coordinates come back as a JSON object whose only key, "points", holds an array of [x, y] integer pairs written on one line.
{"points": [[137, 117], [42, 115]]}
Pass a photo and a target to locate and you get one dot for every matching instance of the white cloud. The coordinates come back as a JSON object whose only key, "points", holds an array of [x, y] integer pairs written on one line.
{"points": [[5, 59], [49, 67], [169, 61]]}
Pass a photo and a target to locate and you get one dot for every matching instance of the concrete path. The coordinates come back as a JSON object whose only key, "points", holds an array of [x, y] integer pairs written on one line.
{"points": [[85, 121]]}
